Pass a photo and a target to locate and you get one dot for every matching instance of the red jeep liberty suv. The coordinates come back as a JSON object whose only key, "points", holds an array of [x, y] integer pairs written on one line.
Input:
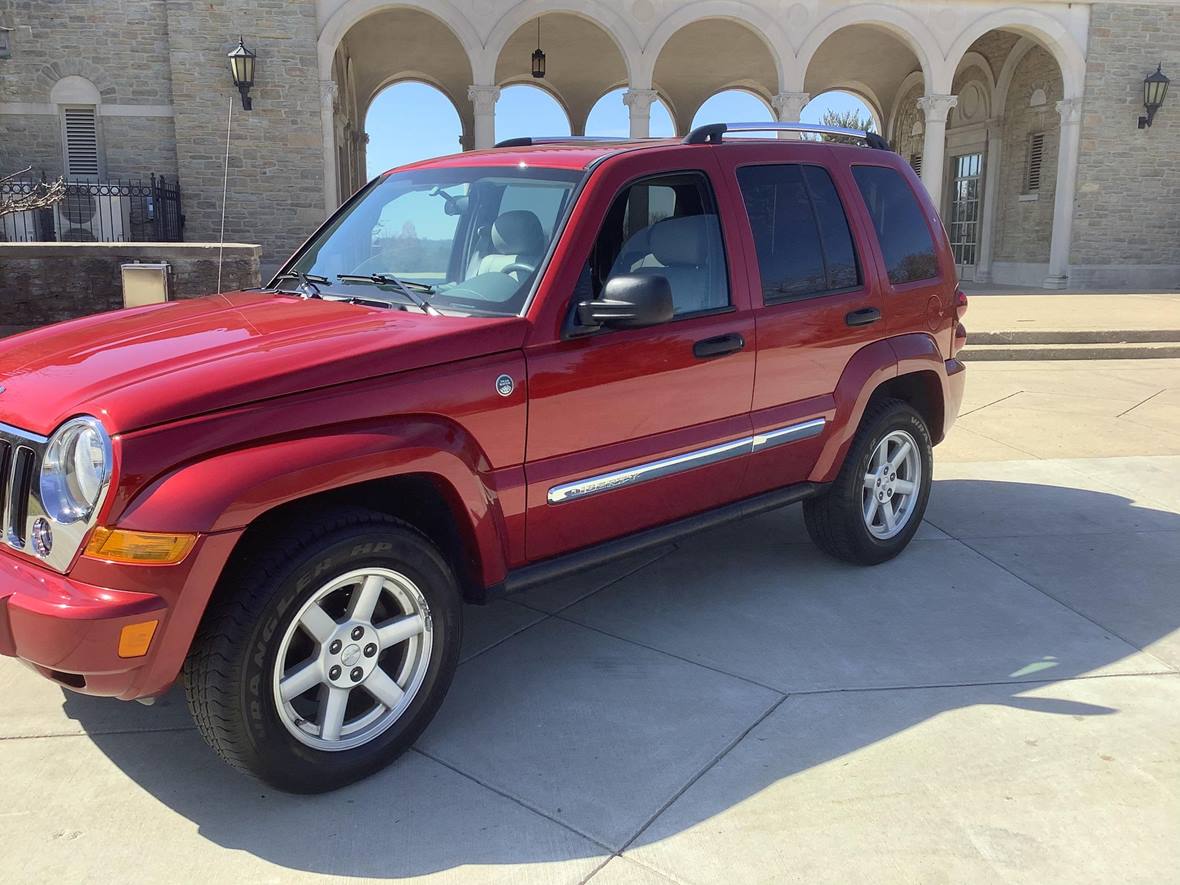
{"points": [[484, 371]]}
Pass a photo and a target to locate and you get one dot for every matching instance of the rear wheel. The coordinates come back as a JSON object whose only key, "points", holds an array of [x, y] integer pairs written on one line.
{"points": [[874, 507], [328, 655]]}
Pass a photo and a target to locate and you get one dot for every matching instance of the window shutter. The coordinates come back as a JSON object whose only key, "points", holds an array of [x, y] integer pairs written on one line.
{"points": [[916, 164], [1036, 153], [81, 142]]}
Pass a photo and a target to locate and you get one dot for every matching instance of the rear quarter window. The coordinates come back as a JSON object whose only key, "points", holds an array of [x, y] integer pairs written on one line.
{"points": [[906, 243]]}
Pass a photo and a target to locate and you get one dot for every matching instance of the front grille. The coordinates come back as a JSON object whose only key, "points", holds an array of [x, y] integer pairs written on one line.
{"points": [[20, 455]]}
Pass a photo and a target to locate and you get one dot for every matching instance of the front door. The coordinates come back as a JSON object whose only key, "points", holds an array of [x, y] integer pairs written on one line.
{"points": [[630, 428], [966, 199]]}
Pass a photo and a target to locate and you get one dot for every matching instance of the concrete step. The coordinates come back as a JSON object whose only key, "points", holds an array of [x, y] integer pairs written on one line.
{"points": [[1101, 351], [1073, 336]]}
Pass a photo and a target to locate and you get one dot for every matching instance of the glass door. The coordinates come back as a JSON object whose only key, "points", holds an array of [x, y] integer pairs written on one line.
{"points": [[965, 211]]}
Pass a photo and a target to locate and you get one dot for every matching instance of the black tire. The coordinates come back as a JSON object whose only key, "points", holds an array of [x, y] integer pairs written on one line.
{"points": [[835, 520], [229, 671]]}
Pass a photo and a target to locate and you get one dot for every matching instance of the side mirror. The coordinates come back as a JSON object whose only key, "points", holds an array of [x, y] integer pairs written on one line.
{"points": [[629, 301]]}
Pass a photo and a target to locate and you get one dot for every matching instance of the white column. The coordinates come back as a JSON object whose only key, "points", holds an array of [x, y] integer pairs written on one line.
{"points": [[329, 89], [1070, 111], [788, 106], [483, 101], [991, 190], [639, 102], [935, 109]]}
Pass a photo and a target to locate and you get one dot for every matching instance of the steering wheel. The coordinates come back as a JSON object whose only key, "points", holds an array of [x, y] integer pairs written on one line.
{"points": [[518, 265]]}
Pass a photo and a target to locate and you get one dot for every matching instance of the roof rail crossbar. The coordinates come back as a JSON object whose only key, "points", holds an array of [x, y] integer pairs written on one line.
{"points": [[530, 140], [711, 133]]}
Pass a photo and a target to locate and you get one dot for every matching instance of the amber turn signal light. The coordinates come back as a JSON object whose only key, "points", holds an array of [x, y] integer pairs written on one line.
{"points": [[139, 548], [134, 639]]}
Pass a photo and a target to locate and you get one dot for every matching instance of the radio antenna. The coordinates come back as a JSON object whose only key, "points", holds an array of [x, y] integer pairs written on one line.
{"points": [[224, 192]]}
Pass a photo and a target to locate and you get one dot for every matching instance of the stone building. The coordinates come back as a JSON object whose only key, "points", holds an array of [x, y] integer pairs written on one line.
{"points": [[1021, 119]]}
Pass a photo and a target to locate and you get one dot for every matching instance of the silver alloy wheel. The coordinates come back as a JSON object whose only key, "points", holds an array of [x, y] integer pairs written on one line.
{"points": [[891, 485], [352, 659]]}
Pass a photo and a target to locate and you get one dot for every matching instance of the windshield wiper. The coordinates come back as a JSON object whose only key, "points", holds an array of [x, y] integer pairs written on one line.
{"points": [[388, 279], [307, 282]]}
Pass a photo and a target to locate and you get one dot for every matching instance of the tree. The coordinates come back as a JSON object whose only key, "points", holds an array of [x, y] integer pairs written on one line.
{"points": [[849, 119], [39, 195]]}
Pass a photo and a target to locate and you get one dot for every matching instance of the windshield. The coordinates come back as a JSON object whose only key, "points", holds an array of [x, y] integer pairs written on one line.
{"points": [[451, 240]]}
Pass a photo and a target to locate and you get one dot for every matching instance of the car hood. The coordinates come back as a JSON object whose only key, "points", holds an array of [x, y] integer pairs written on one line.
{"points": [[149, 365]]}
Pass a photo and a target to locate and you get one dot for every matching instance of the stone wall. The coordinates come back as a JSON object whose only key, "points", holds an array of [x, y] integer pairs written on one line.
{"points": [[120, 47], [1128, 199], [905, 141], [137, 147], [44, 283], [31, 140], [1024, 221], [276, 159]]}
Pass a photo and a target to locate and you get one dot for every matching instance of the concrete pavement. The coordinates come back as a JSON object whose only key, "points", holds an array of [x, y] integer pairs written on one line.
{"points": [[1002, 702]]}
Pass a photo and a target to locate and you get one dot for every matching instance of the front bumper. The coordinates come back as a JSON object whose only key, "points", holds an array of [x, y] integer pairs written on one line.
{"points": [[67, 627]]}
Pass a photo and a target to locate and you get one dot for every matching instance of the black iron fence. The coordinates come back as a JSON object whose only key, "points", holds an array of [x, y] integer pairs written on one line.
{"points": [[122, 211]]}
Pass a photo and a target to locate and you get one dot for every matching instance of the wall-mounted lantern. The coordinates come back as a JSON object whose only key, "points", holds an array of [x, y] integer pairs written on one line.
{"points": [[1155, 88], [241, 65], [538, 55]]}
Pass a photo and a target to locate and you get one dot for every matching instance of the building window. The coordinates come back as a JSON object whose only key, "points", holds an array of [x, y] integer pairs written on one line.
{"points": [[916, 164], [80, 141], [1036, 154]]}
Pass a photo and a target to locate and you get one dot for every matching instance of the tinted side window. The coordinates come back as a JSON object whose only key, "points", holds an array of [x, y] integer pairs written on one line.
{"points": [[839, 256], [800, 231], [666, 226], [901, 227]]}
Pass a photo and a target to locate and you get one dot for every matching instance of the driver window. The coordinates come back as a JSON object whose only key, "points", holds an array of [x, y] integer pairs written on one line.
{"points": [[414, 235], [667, 226]]}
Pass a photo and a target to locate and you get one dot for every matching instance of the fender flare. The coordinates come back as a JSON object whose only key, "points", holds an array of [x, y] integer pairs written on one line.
{"points": [[870, 367], [229, 490]]}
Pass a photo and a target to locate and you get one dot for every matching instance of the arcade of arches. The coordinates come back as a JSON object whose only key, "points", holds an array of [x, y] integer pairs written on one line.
{"points": [[1020, 118], [987, 105]]}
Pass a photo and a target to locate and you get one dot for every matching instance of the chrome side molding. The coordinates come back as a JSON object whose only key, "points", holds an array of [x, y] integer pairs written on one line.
{"points": [[605, 482], [792, 433]]}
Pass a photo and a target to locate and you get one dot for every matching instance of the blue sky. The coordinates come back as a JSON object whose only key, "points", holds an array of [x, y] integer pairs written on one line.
{"points": [[412, 121]]}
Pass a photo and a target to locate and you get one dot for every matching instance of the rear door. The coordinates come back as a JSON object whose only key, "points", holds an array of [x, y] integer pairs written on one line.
{"points": [[816, 298], [629, 428], [918, 268]]}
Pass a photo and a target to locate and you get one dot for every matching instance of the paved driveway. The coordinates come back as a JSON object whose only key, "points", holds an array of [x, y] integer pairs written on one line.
{"points": [[1002, 702]]}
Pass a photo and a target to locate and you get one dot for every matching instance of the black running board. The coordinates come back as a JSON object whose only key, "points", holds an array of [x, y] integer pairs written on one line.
{"points": [[559, 566]]}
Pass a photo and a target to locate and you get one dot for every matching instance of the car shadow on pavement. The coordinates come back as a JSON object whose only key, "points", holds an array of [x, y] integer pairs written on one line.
{"points": [[1046, 582]]}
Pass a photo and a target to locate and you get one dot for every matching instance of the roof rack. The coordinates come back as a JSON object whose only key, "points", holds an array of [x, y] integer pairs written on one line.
{"points": [[711, 133], [531, 140]]}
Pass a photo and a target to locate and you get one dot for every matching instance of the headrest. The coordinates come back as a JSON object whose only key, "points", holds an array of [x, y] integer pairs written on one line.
{"points": [[518, 232], [680, 241]]}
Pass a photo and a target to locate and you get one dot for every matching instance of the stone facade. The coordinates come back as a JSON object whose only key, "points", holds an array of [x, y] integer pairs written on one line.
{"points": [[276, 192], [1024, 219], [1128, 202], [158, 72]]}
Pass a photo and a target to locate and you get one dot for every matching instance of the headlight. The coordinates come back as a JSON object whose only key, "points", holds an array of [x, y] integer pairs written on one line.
{"points": [[76, 469]]}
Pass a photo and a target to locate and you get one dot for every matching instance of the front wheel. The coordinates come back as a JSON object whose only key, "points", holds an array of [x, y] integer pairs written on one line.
{"points": [[872, 510], [325, 656]]}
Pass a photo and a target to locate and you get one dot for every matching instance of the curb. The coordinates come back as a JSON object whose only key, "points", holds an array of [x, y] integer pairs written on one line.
{"points": [[1094, 336], [1049, 351]]}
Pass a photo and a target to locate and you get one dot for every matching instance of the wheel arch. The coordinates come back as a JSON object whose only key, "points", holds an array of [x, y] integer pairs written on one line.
{"points": [[910, 367], [424, 471]]}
